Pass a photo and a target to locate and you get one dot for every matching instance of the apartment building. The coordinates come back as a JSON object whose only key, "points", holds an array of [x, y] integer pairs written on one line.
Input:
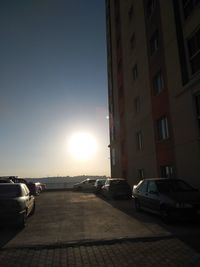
{"points": [[153, 49]]}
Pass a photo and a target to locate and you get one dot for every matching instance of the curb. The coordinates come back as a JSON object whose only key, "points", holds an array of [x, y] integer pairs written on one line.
{"points": [[91, 242]]}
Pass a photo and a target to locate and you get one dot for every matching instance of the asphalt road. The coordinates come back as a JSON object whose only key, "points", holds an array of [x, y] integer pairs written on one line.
{"points": [[63, 216]]}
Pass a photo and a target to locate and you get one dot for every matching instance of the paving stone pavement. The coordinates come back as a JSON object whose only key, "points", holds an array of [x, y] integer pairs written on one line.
{"points": [[168, 252]]}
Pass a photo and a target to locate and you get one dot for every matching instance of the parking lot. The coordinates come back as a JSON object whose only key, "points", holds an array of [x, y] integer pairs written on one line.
{"points": [[88, 227], [63, 216]]}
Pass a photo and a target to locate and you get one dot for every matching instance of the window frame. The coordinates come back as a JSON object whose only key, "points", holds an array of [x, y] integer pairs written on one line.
{"points": [[154, 43], [168, 170], [158, 83], [162, 128], [151, 5], [141, 173], [139, 140], [193, 49], [135, 72]]}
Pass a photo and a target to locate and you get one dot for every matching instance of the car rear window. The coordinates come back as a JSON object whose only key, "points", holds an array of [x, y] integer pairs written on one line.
{"points": [[10, 191]]}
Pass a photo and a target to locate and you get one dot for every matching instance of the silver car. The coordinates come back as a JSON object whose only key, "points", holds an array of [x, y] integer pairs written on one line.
{"points": [[86, 185], [16, 203], [98, 185]]}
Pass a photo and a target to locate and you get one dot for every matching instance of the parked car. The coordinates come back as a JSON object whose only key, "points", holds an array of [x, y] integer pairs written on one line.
{"points": [[34, 188], [43, 186], [116, 187], [16, 203], [86, 185], [5, 180], [38, 188], [98, 185], [169, 198]]}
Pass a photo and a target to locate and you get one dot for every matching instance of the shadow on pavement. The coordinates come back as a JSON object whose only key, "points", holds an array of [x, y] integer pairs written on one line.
{"points": [[187, 230], [7, 233]]}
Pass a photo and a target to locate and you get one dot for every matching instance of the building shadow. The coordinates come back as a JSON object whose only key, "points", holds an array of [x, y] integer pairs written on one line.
{"points": [[185, 229]]}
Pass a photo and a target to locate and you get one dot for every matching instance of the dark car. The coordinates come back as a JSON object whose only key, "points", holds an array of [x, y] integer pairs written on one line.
{"points": [[5, 180], [98, 185], [16, 203], [116, 188], [169, 198]]}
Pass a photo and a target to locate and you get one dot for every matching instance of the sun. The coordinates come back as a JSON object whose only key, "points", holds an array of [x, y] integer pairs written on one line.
{"points": [[82, 146]]}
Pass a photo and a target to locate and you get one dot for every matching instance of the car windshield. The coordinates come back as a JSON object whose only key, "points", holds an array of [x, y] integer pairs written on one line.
{"points": [[9, 191], [101, 182], [173, 186]]}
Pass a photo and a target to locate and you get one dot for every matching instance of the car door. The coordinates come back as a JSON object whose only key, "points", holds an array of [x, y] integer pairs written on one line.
{"points": [[152, 196], [28, 198], [141, 193], [91, 184]]}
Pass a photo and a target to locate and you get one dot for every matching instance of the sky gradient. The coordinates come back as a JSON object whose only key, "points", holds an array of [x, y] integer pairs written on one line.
{"points": [[53, 83]]}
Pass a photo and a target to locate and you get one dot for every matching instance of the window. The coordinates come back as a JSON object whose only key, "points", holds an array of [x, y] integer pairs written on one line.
{"points": [[154, 43], [132, 42], [162, 128], [152, 188], [135, 72], [158, 83], [137, 104], [197, 102], [150, 8], [167, 171], [141, 173], [189, 6], [143, 187], [139, 140], [194, 51], [26, 190]]}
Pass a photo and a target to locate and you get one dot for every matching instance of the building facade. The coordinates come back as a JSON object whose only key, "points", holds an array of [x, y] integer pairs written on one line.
{"points": [[153, 49]]}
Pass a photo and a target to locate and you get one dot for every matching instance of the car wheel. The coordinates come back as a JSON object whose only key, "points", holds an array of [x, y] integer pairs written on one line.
{"points": [[165, 215], [137, 205]]}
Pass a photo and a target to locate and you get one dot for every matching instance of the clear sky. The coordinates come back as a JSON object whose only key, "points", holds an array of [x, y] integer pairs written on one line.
{"points": [[53, 84]]}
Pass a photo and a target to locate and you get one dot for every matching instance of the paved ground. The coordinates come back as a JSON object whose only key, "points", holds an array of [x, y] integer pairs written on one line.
{"points": [[69, 216], [163, 253], [78, 229]]}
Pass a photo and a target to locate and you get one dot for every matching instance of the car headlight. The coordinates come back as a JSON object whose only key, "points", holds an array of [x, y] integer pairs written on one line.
{"points": [[183, 205]]}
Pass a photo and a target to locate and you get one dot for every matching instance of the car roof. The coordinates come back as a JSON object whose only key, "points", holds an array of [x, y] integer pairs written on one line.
{"points": [[117, 179], [160, 179], [11, 184]]}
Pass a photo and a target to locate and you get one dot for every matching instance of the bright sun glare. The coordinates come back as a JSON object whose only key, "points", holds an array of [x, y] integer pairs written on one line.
{"points": [[82, 146]]}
